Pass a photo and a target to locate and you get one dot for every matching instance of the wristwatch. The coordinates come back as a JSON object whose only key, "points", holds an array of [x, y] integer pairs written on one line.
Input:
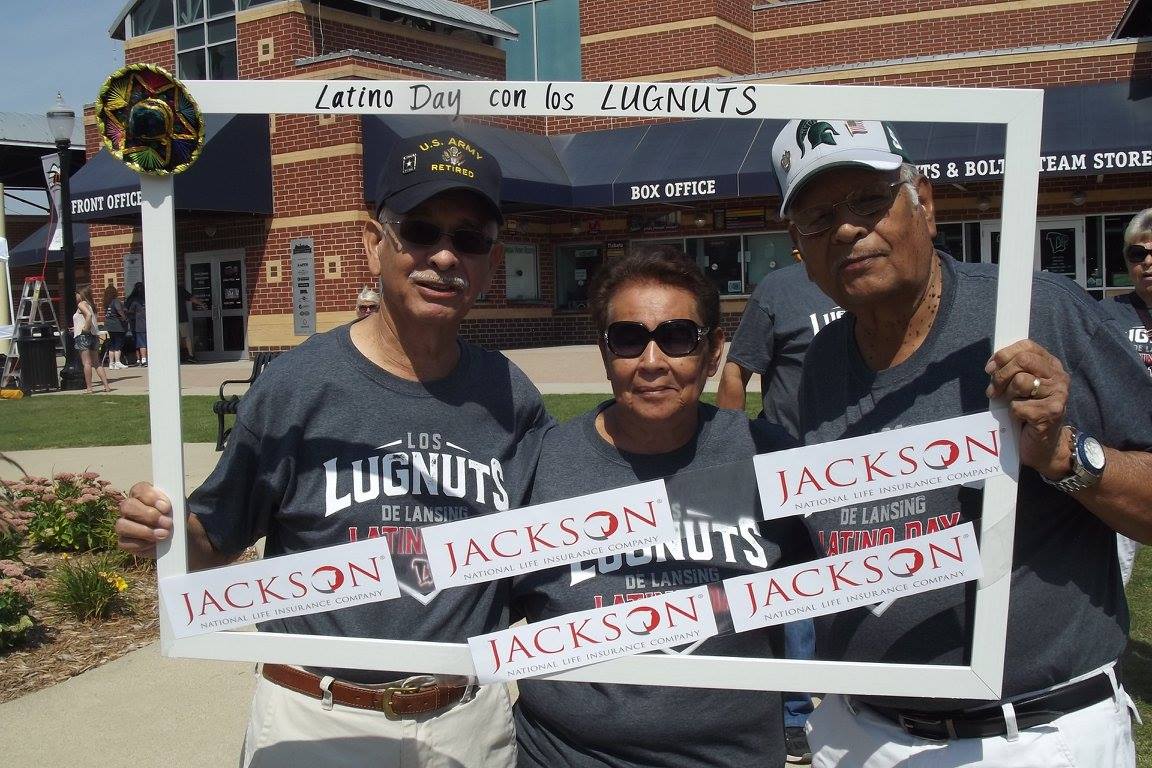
{"points": [[1088, 462]]}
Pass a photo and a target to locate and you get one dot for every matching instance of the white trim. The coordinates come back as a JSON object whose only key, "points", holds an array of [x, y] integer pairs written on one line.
{"points": [[1019, 110]]}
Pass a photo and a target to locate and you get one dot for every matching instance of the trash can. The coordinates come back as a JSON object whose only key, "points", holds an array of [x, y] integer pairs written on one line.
{"points": [[38, 357]]}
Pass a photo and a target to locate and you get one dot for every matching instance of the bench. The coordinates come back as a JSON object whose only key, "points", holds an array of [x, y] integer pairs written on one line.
{"points": [[225, 406]]}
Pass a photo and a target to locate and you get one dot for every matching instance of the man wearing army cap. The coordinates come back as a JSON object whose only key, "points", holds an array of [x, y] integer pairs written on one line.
{"points": [[375, 429]]}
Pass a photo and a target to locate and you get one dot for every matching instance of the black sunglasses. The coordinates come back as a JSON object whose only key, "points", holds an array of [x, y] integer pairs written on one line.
{"points": [[426, 234], [676, 338], [1136, 253], [818, 218]]}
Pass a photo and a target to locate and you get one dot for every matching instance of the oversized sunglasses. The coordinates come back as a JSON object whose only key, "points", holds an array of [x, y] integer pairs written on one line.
{"points": [[868, 202], [426, 234], [676, 338], [367, 309], [1136, 253]]}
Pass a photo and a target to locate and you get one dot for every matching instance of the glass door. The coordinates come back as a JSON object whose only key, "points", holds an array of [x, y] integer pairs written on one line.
{"points": [[216, 280], [1059, 247]]}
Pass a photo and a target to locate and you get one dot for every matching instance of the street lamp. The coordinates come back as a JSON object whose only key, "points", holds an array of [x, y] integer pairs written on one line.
{"points": [[62, 122]]}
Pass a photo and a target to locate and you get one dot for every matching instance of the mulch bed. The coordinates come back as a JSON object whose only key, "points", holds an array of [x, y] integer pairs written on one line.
{"points": [[59, 646]]}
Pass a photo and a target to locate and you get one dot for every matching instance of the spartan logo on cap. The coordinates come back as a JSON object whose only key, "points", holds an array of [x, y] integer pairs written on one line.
{"points": [[893, 142], [786, 161], [408, 163], [816, 132], [453, 156]]}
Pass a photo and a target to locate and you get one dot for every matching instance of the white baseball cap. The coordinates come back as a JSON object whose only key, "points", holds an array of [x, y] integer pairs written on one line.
{"points": [[807, 147]]}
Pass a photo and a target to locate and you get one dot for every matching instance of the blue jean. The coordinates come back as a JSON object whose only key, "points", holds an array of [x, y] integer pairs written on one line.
{"points": [[799, 643]]}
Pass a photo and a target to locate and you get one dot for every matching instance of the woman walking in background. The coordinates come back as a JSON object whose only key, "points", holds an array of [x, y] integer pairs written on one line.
{"points": [[139, 322], [116, 323], [85, 331]]}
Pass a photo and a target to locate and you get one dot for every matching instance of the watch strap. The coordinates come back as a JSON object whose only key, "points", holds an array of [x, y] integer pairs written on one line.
{"points": [[1081, 477]]}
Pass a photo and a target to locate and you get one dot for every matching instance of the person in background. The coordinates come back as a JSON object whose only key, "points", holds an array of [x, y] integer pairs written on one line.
{"points": [[86, 334], [915, 347], [783, 313], [138, 319], [658, 320], [116, 323], [367, 302], [1131, 310], [183, 298]]}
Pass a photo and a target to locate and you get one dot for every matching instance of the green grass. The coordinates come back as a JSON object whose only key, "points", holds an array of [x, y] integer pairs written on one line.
{"points": [[1137, 664], [77, 421]]}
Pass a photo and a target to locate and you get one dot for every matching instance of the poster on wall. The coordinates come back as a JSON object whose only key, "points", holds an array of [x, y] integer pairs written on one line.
{"points": [[133, 271], [303, 286]]}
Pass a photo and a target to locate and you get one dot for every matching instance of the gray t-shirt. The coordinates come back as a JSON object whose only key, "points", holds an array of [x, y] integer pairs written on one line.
{"points": [[712, 490], [1068, 614], [783, 314], [1126, 310], [329, 448]]}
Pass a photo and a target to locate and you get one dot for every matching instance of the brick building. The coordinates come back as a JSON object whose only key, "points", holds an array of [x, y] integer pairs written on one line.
{"points": [[266, 184]]}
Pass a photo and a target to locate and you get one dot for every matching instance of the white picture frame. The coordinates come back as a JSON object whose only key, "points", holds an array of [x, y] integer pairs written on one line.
{"points": [[1020, 111]]}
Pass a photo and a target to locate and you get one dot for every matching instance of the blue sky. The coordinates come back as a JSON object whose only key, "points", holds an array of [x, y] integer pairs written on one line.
{"points": [[55, 45]]}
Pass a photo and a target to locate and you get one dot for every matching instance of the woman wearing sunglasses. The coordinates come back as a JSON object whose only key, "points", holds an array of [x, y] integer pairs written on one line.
{"points": [[367, 302], [657, 317], [1132, 310]]}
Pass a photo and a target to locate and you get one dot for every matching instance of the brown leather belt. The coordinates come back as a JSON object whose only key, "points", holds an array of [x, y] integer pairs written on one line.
{"points": [[417, 695]]}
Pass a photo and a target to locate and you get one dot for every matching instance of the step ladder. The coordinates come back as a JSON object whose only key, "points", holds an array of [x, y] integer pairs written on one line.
{"points": [[35, 308]]}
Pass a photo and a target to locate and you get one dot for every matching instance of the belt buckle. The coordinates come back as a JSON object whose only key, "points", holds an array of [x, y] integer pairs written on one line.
{"points": [[907, 723], [416, 684]]}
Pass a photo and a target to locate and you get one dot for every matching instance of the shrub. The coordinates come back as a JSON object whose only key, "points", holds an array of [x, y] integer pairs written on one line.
{"points": [[70, 512], [15, 602], [90, 588], [15, 515]]}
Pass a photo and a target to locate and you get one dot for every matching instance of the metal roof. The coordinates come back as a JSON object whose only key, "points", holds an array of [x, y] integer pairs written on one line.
{"points": [[24, 130], [442, 11]]}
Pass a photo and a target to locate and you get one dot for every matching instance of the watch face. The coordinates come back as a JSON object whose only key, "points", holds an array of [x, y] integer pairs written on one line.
{"points": [[1093, 454]]}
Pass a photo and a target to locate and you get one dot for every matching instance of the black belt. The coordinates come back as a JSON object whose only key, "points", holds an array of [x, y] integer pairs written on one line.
{"points": [[986, 721]]}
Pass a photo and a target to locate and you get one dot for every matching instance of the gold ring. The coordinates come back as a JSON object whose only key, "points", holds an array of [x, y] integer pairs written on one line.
{"points": [[1035, 388]]}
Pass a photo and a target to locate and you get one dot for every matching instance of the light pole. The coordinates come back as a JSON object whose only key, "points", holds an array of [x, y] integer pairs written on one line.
{"points": [[62, 122]]}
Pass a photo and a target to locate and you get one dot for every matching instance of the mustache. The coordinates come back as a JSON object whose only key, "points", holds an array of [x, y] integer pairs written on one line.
{"points": [[455, 282]]}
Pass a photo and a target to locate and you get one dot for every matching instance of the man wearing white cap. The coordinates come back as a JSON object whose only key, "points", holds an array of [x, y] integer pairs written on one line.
{"points": [[914, 347]]}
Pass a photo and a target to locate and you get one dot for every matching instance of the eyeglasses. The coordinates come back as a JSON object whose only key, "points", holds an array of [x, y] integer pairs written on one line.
{"points": [[868, 202], [367, 309], [1136, 253], [426, 234], [676, 338]]}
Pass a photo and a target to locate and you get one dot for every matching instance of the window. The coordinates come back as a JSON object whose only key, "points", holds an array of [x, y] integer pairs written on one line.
{"points": [[549, 43], [521, 282], [576, 265], [766, 253], [206, 39], [734, 263], [150, 15]]}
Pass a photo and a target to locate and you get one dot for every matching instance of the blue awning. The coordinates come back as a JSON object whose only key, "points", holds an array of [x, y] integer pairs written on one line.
{"points": [[593, 161], [32, 249], [233, 174], [532, 172], [1087, 130]]}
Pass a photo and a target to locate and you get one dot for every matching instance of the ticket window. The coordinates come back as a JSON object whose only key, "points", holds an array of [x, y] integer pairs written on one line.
{"points": [[576, 265]]}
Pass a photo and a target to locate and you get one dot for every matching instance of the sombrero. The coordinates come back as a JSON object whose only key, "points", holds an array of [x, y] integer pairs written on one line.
{"points": [[149, 121]]}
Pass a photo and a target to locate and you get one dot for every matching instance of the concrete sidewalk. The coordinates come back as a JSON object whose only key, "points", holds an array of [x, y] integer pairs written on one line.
{"points": [[146, 710]]}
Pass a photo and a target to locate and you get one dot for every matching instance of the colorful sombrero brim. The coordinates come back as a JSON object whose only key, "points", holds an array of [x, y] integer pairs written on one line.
{"points": [[149, 121]]}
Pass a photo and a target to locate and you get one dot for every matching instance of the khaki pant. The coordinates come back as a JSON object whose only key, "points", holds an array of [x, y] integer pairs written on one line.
{"points": [[288, 729]]}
